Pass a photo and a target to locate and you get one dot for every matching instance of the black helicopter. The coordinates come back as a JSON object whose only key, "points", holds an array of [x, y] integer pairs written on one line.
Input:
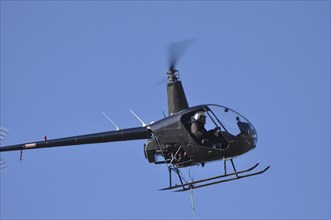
{"points": [[170, 140]]}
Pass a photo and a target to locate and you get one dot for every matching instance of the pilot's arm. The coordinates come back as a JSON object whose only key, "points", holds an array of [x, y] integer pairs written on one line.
{"points": [[199, 131]]}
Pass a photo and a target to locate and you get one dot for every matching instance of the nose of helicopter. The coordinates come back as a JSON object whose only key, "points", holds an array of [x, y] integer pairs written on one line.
{"points": [[254, 136], [248, 134], [235, 125]]}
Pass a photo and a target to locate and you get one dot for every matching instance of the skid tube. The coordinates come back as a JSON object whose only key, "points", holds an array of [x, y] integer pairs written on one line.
{"points": [[202, 182], [222, 181]]}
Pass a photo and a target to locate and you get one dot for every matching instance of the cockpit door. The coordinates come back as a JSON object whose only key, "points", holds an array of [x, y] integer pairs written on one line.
{"points": [[217, 141]]}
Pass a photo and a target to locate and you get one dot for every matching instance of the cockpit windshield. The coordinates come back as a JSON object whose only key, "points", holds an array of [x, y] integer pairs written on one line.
{"points": [[230, 122]]}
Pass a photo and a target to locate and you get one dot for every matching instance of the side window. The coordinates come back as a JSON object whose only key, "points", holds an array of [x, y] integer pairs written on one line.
{"points": [[230, 121], [209, 123]]}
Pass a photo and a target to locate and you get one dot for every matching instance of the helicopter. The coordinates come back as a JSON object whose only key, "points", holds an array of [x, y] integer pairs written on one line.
{"points": [[170, 140]]}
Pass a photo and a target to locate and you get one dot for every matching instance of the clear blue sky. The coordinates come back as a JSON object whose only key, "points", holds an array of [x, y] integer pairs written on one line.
{"points": [[62, 63]]}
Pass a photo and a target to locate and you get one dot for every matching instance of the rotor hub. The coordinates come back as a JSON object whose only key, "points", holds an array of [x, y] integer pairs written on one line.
{"points": [[173, 75]]}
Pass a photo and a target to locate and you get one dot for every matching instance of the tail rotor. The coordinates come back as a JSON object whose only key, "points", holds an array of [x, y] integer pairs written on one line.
{"points": [[3, 133]]}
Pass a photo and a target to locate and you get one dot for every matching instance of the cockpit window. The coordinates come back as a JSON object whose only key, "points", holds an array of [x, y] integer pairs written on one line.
{"points": [[230, 121], [219, 125]]}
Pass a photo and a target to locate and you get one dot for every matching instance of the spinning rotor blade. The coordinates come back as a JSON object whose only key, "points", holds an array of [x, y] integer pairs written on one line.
{"points": [[2, 165], [176, 50], [3, 133], [161, 81]]}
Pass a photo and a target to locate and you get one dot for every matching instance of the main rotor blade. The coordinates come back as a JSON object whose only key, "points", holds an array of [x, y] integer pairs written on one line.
{"points": [[176, 51]]}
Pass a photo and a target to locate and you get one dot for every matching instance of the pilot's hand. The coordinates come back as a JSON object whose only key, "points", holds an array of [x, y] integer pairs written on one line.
{"points": [[204, 142]]}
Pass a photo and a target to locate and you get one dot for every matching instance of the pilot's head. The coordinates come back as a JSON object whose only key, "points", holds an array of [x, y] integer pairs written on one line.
{"points": [[200, 117]]}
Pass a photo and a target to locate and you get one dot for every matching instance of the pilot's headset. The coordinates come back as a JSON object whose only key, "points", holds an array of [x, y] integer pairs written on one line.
{"points": [[198, 115]]}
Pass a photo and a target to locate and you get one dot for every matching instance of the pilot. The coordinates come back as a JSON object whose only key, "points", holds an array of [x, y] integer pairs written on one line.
{"points": [[198, 129]]}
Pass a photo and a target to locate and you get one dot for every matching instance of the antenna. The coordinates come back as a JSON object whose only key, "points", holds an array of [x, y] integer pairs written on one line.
{"points": [[164, 114], [117, 128], [142, 122]]}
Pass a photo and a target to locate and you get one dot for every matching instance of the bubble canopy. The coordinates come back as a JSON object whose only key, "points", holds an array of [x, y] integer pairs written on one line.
{"points": [[230, 121]]}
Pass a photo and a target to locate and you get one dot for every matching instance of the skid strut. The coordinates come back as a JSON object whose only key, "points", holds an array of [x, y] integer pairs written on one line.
{"points": [[180, 177]]}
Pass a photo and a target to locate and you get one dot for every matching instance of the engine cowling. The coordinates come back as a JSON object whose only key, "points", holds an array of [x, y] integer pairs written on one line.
{"points": [[150, 150]]}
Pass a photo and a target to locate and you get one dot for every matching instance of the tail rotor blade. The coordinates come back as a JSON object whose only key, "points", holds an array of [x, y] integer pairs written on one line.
{"points": [[3, 133], [2, 165]]}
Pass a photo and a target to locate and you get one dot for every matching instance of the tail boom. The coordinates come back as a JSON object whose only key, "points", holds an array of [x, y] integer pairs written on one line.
{"points": [[137, 133]]}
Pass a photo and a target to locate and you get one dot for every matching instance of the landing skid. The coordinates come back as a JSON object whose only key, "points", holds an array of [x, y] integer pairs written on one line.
{"points": [[213, 180]]}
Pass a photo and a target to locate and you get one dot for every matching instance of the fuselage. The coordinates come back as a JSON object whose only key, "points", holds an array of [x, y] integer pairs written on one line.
{"points": [[174, 141]]}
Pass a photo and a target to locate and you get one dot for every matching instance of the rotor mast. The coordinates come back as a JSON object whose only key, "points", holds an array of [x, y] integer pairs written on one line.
{"points": [[176, 96]]}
